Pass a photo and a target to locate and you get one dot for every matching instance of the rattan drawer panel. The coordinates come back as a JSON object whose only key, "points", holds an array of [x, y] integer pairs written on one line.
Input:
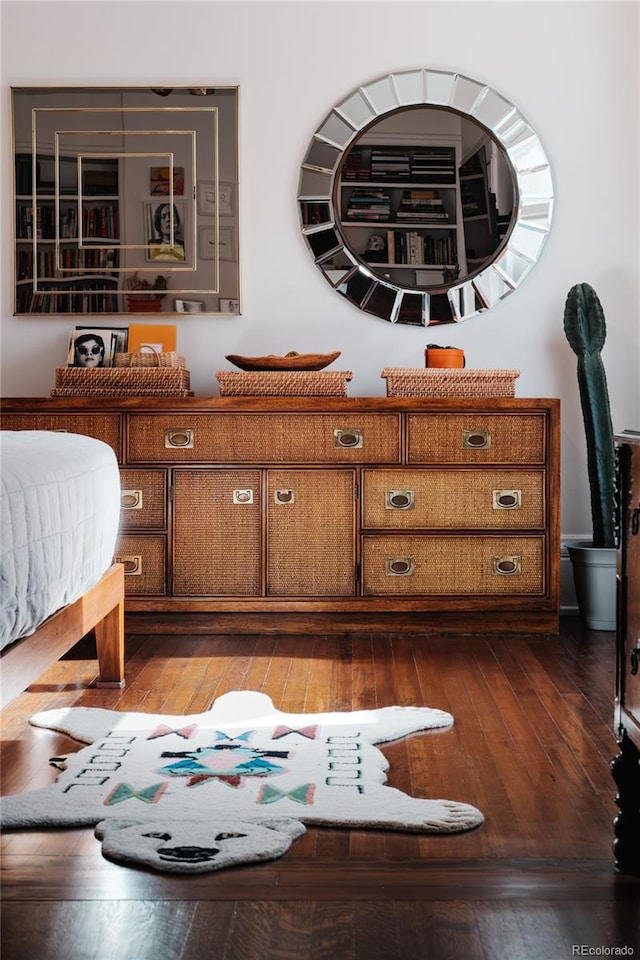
{"points": [[217, 533], [452, 565], [476, 438], [145, 562], [448, 499], [102, 426], [311, 533], [143, 498], [264, 438]]}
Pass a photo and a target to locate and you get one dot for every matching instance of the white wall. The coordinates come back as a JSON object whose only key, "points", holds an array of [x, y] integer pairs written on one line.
{"points": [[571, 68]]}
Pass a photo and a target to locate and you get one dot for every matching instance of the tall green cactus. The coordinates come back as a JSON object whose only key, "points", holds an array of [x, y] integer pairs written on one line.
{"points": [[585, 327]]}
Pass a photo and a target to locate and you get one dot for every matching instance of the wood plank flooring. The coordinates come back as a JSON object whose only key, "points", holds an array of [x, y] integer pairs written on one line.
{"points": [[531, 746]]}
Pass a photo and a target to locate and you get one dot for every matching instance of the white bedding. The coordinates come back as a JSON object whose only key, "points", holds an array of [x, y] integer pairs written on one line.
{"points": [[60, 509]]}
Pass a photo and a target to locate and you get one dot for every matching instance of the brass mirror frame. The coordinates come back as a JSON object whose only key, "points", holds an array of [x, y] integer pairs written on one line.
{"points": [[530, 222]]}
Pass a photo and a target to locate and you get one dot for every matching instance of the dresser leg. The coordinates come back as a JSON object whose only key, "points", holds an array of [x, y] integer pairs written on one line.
{"points": [[625, 769]]}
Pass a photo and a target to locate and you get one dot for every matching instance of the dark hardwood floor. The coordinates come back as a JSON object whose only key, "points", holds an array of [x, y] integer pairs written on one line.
{"points": [[531, 746]]}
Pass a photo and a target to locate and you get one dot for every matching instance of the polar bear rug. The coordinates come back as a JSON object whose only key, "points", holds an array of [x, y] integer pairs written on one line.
{"points": [[233, 785]]}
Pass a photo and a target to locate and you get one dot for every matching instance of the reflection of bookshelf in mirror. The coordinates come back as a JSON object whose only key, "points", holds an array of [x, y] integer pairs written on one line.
{"points": [[47, 236], [478, 211], [399, 208]]}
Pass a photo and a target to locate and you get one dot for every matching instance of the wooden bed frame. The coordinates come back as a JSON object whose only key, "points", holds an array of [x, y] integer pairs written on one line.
{"points": [[100, 608]]}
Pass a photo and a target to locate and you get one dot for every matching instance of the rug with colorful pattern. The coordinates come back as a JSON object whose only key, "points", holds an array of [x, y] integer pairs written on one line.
{"points": [[234, 785]]}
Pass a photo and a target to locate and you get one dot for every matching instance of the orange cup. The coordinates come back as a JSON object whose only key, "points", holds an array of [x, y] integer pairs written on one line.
{"points": [[435, 356]]}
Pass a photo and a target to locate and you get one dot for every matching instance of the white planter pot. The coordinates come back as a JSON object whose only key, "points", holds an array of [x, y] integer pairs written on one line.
{"points": [[594, 575]]}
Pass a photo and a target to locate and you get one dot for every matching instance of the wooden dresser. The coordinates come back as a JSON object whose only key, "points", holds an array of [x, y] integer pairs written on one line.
{"points": [[626, 766], [441, 512]]}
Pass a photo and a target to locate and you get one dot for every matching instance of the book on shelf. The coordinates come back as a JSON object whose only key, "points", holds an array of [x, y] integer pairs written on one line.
{"points": [[368, 205], [390, 165], [422, 205], [415, 247], [391, 246]]}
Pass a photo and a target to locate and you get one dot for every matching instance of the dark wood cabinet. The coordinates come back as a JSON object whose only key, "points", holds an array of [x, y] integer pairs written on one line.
{"points": [[626, 765]]}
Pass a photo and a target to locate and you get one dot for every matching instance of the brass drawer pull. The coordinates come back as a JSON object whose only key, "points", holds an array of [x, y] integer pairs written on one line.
{"points": [[399, 499], [179, 438], [476, 439], [131, 499], [132, 565], [284, 496], [507, 566], [507, 499], [400, 566], [243, 496], [348, 438]]}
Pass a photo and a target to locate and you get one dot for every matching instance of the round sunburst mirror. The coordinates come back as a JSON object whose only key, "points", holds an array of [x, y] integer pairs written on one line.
{"points": [[425, 197]]}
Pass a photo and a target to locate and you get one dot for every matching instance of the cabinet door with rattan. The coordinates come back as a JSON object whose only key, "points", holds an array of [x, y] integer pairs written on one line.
{"points": [[311, 533], [216, 533]]}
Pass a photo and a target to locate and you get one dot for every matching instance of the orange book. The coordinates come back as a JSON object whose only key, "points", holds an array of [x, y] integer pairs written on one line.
{"points": [[161, 336]]}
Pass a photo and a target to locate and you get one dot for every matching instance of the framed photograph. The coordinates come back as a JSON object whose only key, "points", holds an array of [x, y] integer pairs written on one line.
{"points": [[92, 347], [121, 334], [229, 306], [162, 244], [208, 200], [207, 243], [159, 181], [189, 306]]}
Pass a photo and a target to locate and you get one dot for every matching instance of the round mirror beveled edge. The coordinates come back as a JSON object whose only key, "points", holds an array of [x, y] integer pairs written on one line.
{"points": [[530, 168]]}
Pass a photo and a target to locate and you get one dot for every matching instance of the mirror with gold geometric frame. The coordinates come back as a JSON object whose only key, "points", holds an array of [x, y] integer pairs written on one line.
{"points": [[126, 200]]}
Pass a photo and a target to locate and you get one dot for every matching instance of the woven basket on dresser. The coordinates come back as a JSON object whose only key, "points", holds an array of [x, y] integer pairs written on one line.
{"points": [[283, 383], [122, 382], [449, 382], [150, 358]]}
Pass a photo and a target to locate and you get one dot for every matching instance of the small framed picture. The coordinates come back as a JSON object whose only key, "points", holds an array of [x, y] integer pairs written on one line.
{"points": [[225, 200], [209, 199], [92, 347], [207, 243], [121, 334], [165, 238], [229, 306], [160, 180], [189, 306]]}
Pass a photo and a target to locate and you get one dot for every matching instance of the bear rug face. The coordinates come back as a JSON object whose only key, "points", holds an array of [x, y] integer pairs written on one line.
{"points": [[233, 785]]}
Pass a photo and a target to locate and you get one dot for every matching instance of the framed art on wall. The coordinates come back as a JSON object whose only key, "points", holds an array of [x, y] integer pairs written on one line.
{"points": [[160, 181], [165, 233], [229, 306], [208, 199], [207, 243], [189, 306]]}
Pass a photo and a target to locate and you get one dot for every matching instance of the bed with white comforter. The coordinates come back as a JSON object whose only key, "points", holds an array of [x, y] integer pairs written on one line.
{"points": [[59, 519]]}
